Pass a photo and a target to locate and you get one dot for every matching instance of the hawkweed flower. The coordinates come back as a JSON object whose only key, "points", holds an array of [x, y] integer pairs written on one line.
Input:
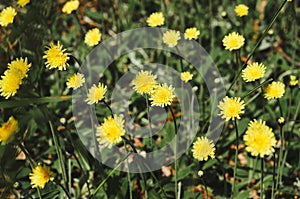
{"points": [[162, 95], [70, 6], [92, 37], [233, 41], [75, 81], [40, 176], [191, 33], [155, 19], [231, 108], [96, 93], [241, 10], [259, 139], [7, 16], [23, 3], [203, 148], [110, 131], [144, 82], [20, 66], [8, 129], [171, 38], [56, 56], [281, 121], [253, 72], [186, 76], [9, 84], [275, 90], [293, 81]]}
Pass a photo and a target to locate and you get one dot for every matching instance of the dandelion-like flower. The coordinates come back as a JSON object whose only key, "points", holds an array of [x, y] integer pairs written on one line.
{"points": [[70, 6], [171, 38], [7, 129], [110, 131], [156, 19], [9, 84], [231, 108], [191, 33], [92, 37], [259, 139], [293, 81], [144, 82], [233, 41], [40, 176], [23, 3], [56, 56], [281, 121], [96, 93], [186, 76], [241, 10], [20, 66], [203, 148], [275, 90], [75, 81], [7, 16], [162, 95], [253, 72]]}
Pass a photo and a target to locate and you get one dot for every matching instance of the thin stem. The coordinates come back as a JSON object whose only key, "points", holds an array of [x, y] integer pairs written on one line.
{"points": [[149, 120], [262, 179], [274, 173], [256, 88], [39, 193], [205, 187], [64, 189], [107, 105], [280, 108], [235, 158], [279, 161]]}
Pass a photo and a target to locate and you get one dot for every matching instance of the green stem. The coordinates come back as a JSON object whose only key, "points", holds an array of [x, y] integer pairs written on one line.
{"points": [[280, 108], [257, 44], [274, 173], [235, 158], [252, 174], [149, 120], [262, 179], [279, 162], [256, 88], [205, 187]]}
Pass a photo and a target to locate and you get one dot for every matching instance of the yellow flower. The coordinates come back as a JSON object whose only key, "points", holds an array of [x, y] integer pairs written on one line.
{"points": [[110, 131], [171, 38], [9, 84], [191, 33], [40, 176], [96, 93], [241, 10], [92, 37], [186, 76], [259, 139], [231, 108], [7, 16], [162, 95], [70, 6], [253, 72], [202, 148], [7, 129], [23, 3], [56, 58], [274, 90], [293, 80], [75, 81], [20, 67], [155, 19], [144, 82], [233, 41], [281, 120]]}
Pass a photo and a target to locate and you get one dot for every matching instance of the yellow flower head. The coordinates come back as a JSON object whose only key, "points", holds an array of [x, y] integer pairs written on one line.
{"points": [[144, 82], [7, 16], [241, 10], [23, 3], [171, 38], [281, 120], [155, 19], [96, 93], [191, 33], [202, 148], [7, 129], [56, 56], [110, 131], [70, 6], [9, 84], [293, 81], [259, 139], [162, 95], [253, 72], [186, 76], [233, 41], [75, 81], [231, 108], [92, 37], [40, 176], [275, 90], [20, 67]]}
